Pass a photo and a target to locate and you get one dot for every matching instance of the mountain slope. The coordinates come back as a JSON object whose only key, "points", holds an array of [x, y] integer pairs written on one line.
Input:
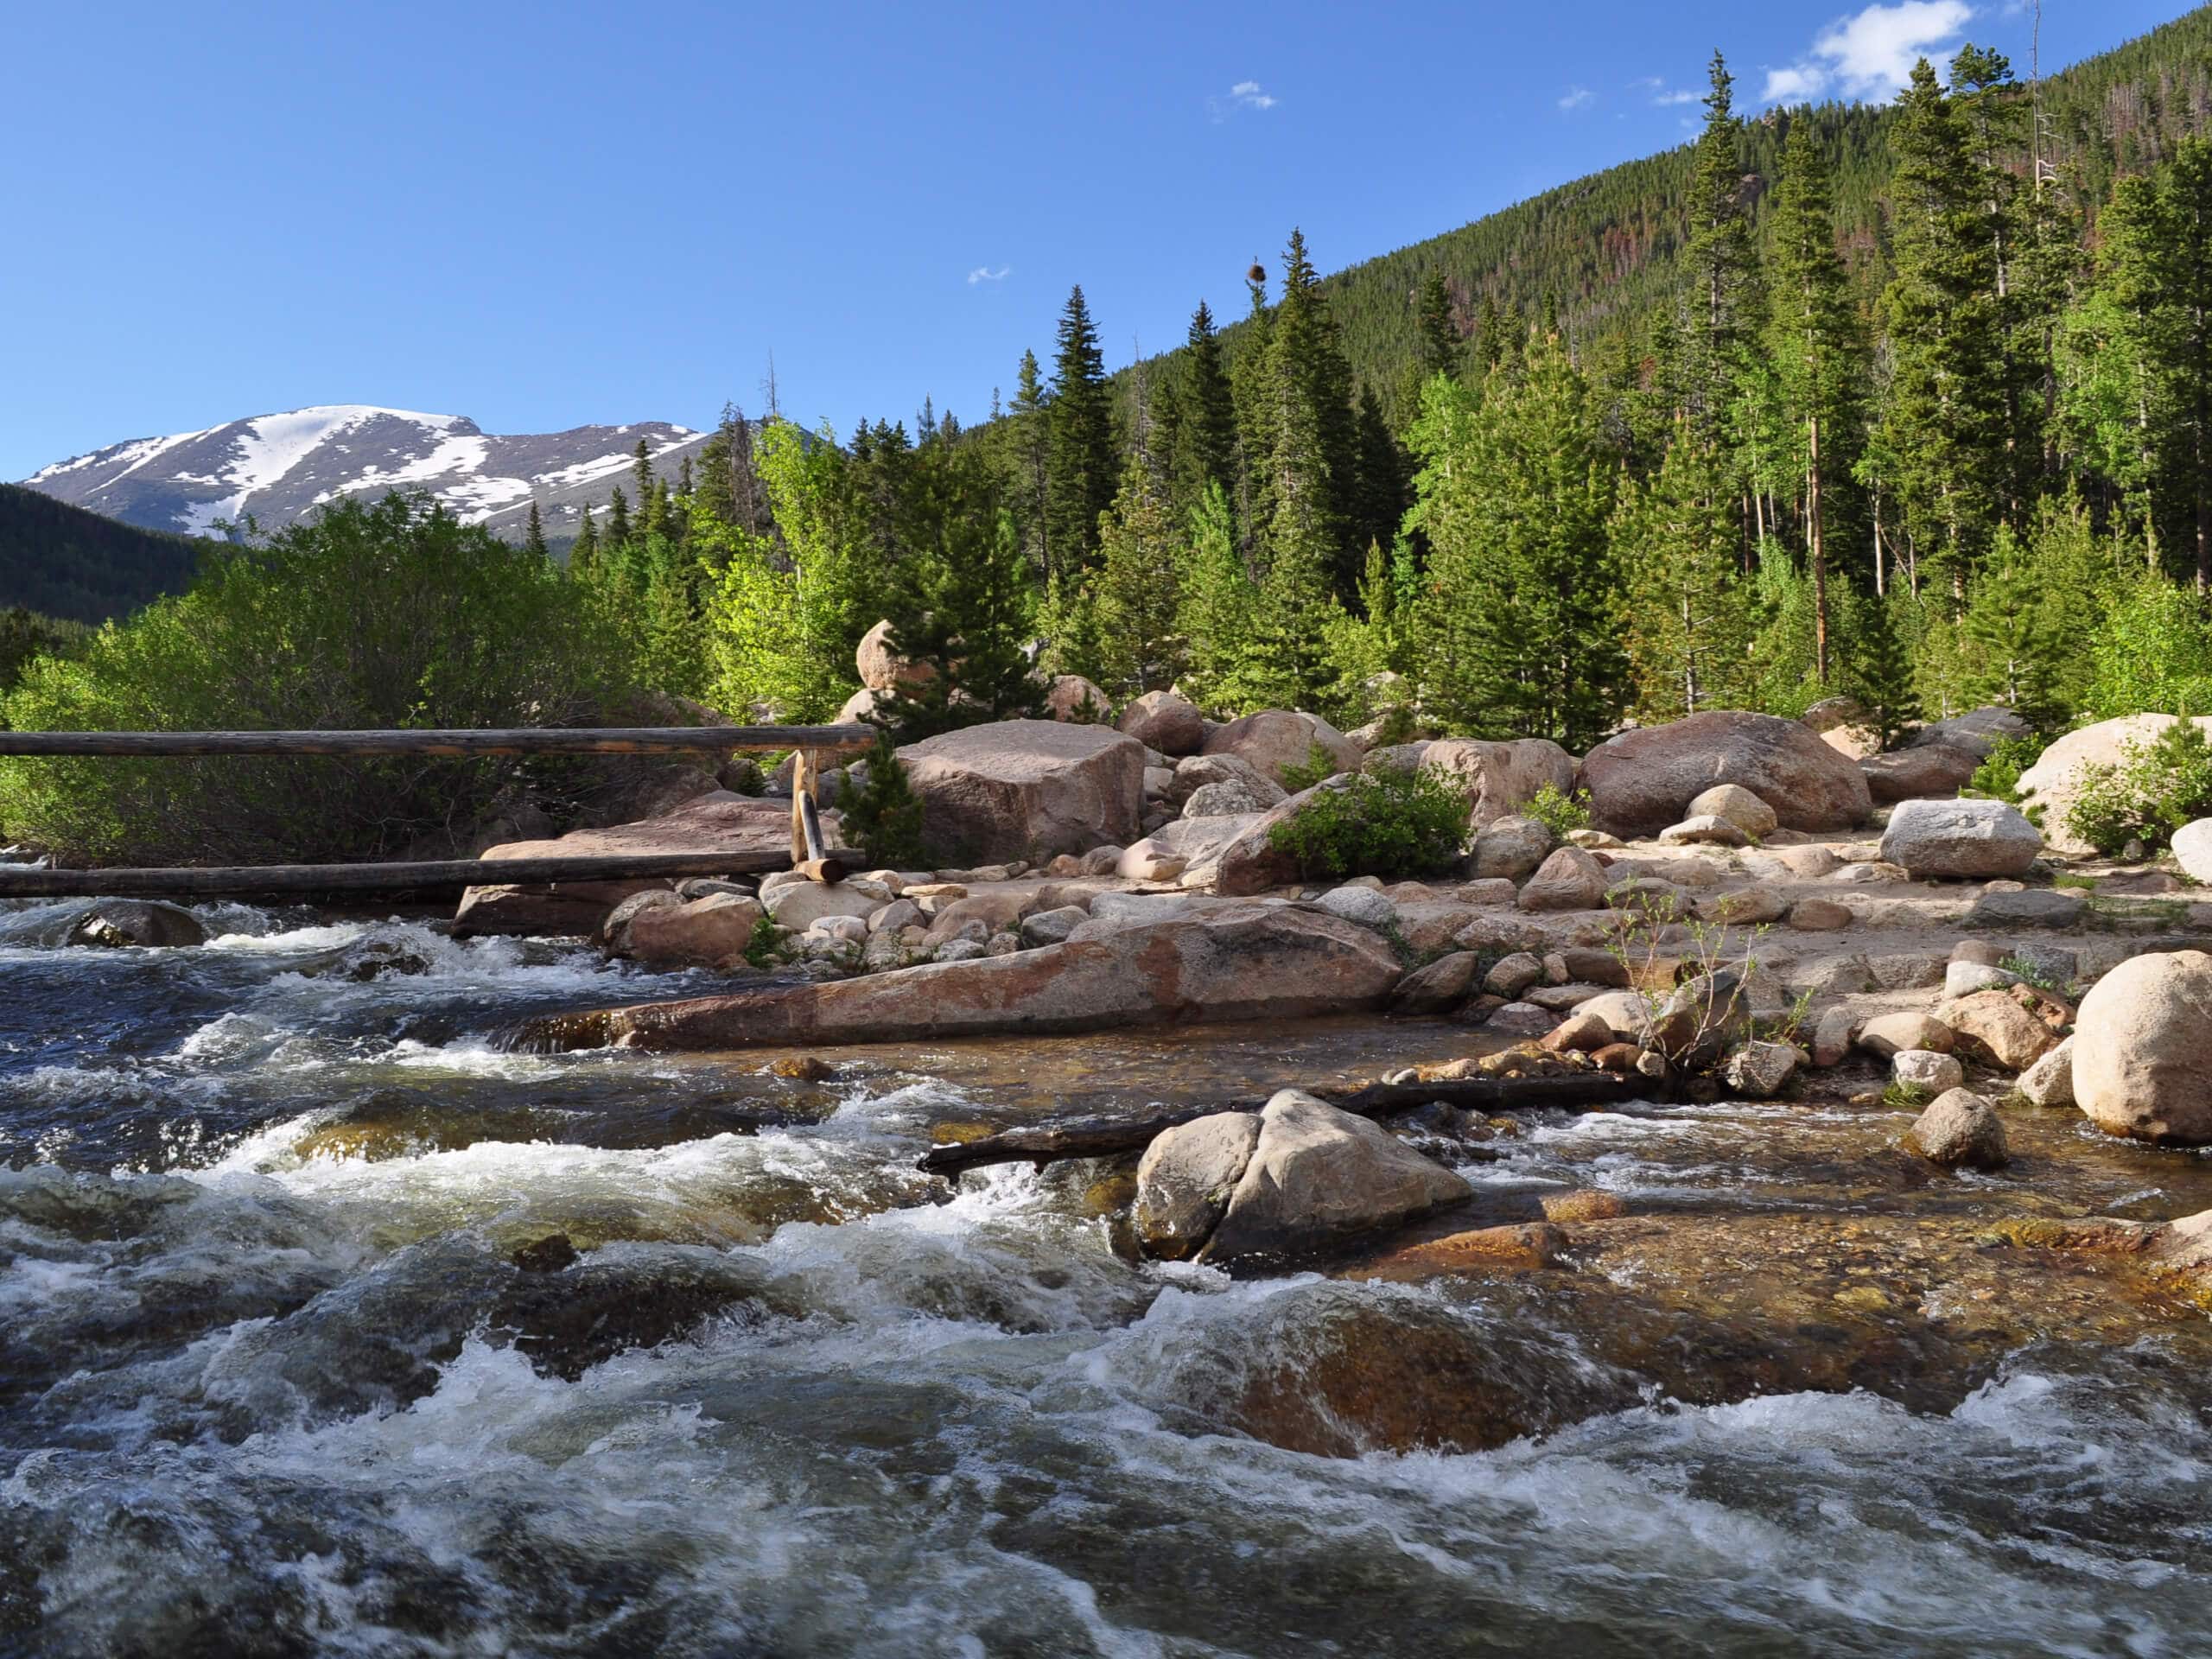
{"points": [[62, 561], [278, 468]]}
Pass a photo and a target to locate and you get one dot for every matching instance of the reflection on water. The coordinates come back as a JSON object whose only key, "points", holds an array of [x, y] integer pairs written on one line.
{"points": [[327, 1325]]}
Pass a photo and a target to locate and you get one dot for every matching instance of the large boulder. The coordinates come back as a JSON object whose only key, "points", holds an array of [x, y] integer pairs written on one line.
{"points": [[1500, 778], [1071, 696], [1569, 879], [2143, 1050], [2054, 783], [1318, 1176], [1976, 839], [1164, 721], [880, 668], [717, 823], [1224, 961], [1025, 789], [712, 931], [1975, 732], [1184, 1179], [1937, 771], [2193, 850], [1275, 741], [115, 922], [1251, 862], [1640, 782]]}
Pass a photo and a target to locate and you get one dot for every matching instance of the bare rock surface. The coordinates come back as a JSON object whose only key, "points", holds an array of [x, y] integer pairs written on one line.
{"points": [[1162, 720], [1025, 789], [1643, 780], [1185, 1180], [1276, 740]]}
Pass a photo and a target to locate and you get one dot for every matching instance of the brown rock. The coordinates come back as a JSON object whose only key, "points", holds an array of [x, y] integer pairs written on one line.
{"points": [[1991, 1026], [1442, 984], [1500, 779], [1640, 781], [1162, 720], [709, 931], [1819, 915], [1886, 1034], [1276, 740], [1935, 772], [879, 670], [1959, 1130], [1569, 879], [1585, 1203], [1025, 789], [1581, 1034], [1071, 697]]}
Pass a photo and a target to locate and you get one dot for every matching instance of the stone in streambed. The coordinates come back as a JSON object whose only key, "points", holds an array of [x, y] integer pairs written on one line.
{"points": [[1923, 1068], [2049, 1081], [1185, 1180], [1959, 1130], [1442, 984], [1317, 1177]]}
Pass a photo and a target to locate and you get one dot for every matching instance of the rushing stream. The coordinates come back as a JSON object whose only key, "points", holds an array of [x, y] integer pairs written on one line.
{"points": [[327, 1325]]}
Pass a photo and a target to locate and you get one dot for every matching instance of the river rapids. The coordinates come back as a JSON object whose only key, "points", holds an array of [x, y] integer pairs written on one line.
{"points": [[328, 1325]]}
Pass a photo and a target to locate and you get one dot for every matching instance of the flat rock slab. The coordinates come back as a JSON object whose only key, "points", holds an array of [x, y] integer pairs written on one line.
{"points": [[1231, 961]]}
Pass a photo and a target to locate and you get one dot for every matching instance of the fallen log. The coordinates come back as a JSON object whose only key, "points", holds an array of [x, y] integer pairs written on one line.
{"points": [[1104, 1137], [34, 881]]}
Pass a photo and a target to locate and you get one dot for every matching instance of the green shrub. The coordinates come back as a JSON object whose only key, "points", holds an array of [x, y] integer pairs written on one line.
{"points": [[25, 635], [2158, 788], [1998, 776], [883, 819], [1394, 823], [1303, 775], [1557, 811], [390, 615]]}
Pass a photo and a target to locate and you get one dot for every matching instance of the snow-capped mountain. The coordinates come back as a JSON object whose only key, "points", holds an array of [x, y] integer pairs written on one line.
{"points": [[280, 467]]}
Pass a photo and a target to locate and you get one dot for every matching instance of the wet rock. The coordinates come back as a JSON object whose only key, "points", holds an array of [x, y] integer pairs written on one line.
{"points": [[1759, 1070], [115, 923], [712, 930], [1993, 1028], [1959, 1130], [548, 1254], [1924, 1069], [1976, 839], [1510, 847], [1317, 1176], [1162, 720], [2142, 1062], [1025, 789], [1230, 961], [1583, 1205], [1642, 781], [1500, 779], [1442, 984], [1185, 1180], [383, 959], [1275, 740], [1570, 879]]}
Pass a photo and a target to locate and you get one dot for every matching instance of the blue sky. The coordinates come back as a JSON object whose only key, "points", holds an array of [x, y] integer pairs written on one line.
{"points": [[549, 214]]}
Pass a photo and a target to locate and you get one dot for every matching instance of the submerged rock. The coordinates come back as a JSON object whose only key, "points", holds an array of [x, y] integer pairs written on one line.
{"points": [[112, 923]]}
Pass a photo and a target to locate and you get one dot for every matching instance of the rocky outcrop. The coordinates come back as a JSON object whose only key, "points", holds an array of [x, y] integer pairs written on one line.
{"points": [[717, 823], [1163, 721], [1974, 839], [1317, 1177], [1640, 781], [2054, 783], [1275, 741], [1232, 962], [1500, 778], [2143, 1050], [1025, 789]]}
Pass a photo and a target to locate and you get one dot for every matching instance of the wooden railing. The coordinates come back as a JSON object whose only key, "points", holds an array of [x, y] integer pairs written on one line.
{"points": [[27, 881]]}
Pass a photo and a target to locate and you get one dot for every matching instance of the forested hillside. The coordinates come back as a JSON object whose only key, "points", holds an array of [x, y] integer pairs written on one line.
{"points": [[64, 562]]}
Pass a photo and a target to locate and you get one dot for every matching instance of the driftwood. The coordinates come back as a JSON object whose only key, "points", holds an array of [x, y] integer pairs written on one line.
{"points": [[807, 857], [1100, 1137], [31, 881], [549, 740]]}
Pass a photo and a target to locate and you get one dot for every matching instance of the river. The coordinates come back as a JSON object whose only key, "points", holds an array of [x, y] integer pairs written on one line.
{"points": [[328, 1325]]}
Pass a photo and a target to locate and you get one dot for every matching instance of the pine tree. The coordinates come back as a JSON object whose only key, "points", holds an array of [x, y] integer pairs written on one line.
{"points": [[1943, 429], [1139, 588], [1878, 669], [1436, 349], [533, 535], [1691, 616], [1217, 610], [1377, 498], [1314, 466], [641, 473], [1206, 453], [618, 520], [2004, 633], [1079, 469], [1516, 634], [1719, 316], [1032, 451], [583, 552], [881, 814], [1251, 382], [1819, 357]]}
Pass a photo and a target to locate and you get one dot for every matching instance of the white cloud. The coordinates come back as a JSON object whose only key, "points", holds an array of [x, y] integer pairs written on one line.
{"points": [[1870, 54], [1576, 97], [985, 274], [1678, 95], [1247, 93]]}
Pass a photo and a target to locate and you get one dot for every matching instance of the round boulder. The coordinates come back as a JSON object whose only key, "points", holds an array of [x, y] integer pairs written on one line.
{"points": [[115, 922], [881, 668], [1959, 1130], [1740, 806], [1511, 847], [1640, 781], [1277, 739], [1162, 720], [1070, 696], [2143, 1050], [2055, 781]]}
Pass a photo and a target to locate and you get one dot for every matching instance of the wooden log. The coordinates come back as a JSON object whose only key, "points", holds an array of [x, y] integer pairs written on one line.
{"points": [[1101, 1137], [28, 882], [549, 740], [799, 853]]}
